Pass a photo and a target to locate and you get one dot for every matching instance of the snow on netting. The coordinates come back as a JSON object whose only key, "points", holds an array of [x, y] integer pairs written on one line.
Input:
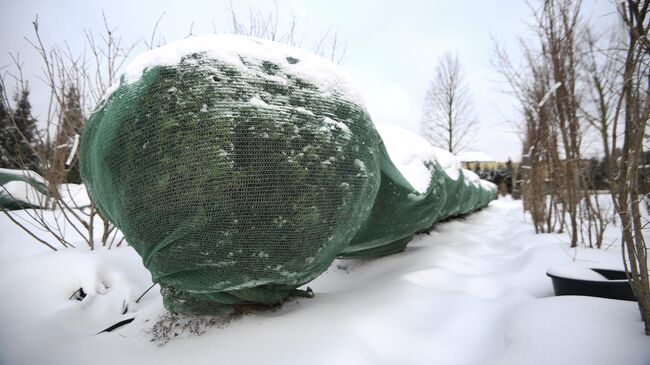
{"points": [[420, 185], [239, 168]]}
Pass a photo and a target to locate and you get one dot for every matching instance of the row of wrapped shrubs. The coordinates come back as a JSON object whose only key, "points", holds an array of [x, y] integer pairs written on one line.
{"points": [[240, 168]]}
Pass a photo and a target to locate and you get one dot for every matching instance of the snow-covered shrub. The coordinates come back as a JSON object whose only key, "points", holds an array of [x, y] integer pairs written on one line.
{"points": [[240, 168]]}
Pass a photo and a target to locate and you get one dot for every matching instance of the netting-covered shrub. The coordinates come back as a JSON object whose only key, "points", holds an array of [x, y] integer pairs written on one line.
{"points": [[420, 185], [239, 169]]}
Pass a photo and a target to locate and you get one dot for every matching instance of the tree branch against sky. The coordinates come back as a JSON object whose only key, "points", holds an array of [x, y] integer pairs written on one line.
{"points": [[449, 120]]}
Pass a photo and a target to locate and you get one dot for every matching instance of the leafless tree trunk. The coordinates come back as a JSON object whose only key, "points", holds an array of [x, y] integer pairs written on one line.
{"points": [[633, 100], [550, 90], [559, 23], [539, 158]]}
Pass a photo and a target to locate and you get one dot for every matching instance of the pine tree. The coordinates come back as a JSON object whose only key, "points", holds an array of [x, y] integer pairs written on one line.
{"points": [[508, 178], [5, 144], [24, 134]]}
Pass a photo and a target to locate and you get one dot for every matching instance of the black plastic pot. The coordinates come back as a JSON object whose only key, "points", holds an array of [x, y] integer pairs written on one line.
{"points": [[615, 287]]}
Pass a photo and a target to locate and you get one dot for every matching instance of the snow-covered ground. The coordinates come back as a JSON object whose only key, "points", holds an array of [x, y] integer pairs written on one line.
{"points": [[474, 291]]}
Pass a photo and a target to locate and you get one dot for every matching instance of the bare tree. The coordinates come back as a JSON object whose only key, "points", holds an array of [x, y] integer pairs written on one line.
{"points": [[633, 102], [586, 86], [531, 86], [448, 121], [559, 24], [559, 104], [75, 84]]}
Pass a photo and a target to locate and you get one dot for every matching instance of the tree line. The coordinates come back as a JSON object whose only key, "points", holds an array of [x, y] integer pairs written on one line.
{"points": [[580, 83]]}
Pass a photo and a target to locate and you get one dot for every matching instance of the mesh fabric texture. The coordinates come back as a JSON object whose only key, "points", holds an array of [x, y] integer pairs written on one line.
{"points": [[239, 179], [232, 186], [399, 211]]}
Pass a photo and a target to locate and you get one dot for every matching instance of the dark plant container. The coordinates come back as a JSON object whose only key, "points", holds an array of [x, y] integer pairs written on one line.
{"points": [[615, 287]]}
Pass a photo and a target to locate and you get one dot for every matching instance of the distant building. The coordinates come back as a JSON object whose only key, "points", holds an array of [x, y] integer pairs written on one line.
{"points": [[471, 159]]}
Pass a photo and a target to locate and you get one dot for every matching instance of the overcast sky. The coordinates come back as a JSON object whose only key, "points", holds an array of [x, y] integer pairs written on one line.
{"points": [[391, 46]]}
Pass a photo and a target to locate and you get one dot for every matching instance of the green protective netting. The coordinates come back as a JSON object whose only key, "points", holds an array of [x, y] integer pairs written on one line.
{"points": [[240, 168], [400, 210], [21, 189]]}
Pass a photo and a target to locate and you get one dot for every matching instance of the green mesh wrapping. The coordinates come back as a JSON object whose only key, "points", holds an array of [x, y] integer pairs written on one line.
{"points": [[234, 184], [11, 202], [400, 211], [240, 178]]}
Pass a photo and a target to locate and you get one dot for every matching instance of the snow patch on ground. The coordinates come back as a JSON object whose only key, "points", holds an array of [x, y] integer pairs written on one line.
{"points": [[474, 291]]}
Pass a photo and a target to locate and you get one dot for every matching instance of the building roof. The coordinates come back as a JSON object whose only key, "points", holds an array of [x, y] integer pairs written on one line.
{"points": [[474, 156]]}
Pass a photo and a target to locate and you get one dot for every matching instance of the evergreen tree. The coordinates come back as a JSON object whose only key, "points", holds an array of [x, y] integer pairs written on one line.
{"points": [[24, 134], [508, 176], [600, 179], [5, 141], [493, 174]]}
